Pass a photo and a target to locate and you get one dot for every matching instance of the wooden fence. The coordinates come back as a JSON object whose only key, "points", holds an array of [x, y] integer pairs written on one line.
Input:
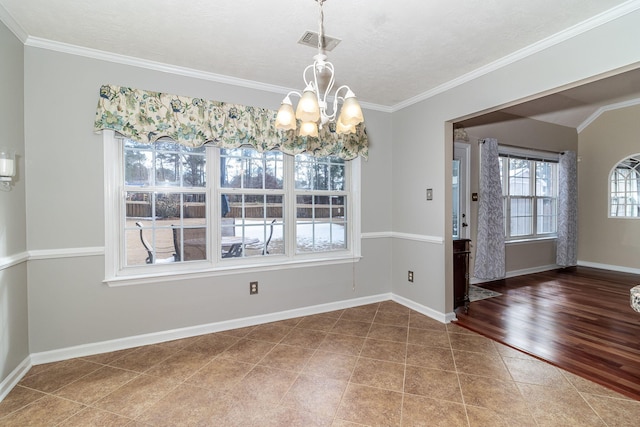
{"points": [[137, 209], [275, 211]]}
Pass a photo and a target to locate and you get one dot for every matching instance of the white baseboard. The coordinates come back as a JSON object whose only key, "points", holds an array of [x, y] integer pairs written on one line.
{"points": [[163, 336], [540, 269], [516, 273], [158, 337], [14, 377], [609, 267], [429, 312]]}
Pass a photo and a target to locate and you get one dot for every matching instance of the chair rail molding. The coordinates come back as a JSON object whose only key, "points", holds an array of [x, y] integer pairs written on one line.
{"points": [[419, 238], [11, 260], [65, 253], [404, 236]]}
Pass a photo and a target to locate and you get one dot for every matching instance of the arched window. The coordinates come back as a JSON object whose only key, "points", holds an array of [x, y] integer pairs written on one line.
{"points": [[624, 191]]}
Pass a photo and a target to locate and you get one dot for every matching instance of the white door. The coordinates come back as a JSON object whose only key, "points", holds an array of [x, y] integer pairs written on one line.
{"points": [[461, 152]]}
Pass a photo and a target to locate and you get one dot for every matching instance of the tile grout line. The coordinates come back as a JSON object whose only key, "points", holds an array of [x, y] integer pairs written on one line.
{"points": [[404, 374], [348, 381], [85, 405], [183, 380], [455, 366]]}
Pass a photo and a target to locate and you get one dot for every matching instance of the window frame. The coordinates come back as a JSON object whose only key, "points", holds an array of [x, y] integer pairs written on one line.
{"points": [[155, 191], [313, 193], [533, 156], [614, 169], [117, 274], [218, 191]]}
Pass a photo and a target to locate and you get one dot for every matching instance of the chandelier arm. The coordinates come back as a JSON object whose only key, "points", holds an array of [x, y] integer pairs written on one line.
{"points": [[304, 75], [337, 98], [339, 89]]}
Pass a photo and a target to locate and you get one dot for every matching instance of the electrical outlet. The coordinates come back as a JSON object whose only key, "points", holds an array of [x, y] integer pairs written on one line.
{"points": [[253, 288], [410, 276]]}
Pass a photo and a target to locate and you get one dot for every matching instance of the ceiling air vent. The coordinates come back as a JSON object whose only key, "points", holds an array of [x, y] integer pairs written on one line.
{"points": [[310, 38]]}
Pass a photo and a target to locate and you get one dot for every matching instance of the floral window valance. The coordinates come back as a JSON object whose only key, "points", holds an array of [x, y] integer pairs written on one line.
{"points": [[146, 116]]}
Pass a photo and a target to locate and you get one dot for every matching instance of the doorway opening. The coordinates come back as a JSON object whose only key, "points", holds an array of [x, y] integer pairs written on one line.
{"points": [[460, 196]]}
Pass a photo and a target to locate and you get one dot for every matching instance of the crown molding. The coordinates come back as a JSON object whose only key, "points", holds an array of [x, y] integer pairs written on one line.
{"points": [[102, 55], [564, 35], [589, 24], [629, 103], [12, 24]]}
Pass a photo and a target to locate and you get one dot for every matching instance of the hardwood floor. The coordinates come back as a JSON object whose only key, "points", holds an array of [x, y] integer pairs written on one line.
{"points": [[578, 319]]}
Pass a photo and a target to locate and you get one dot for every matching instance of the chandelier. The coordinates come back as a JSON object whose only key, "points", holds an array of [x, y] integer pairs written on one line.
{"points": [[312, 110]]}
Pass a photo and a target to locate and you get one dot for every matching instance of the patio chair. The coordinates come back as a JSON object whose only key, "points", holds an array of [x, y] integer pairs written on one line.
{"points": [[193, 247], [265, 246], [265, 250], [151, 256], [234, 251]]}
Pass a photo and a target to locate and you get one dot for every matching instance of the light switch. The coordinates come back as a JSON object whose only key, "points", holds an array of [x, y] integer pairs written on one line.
{"points": [[429, 194]]}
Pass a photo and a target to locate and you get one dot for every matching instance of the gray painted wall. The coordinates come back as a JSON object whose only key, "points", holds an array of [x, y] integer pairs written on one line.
{"points": [[422, 135], [410, 151], [14, 340], [69, 304]]}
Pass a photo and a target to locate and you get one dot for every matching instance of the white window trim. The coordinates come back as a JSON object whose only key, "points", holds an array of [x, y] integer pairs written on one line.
{"points": [[613, 169], [535, 155], [547, 156], [113, 208]]}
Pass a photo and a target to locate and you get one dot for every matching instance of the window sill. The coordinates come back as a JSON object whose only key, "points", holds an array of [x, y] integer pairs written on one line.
{"points": [[530, 240], [196, 273]]}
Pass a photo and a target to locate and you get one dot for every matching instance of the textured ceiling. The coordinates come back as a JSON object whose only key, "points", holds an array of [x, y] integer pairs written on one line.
{"points": [[391, 51]]}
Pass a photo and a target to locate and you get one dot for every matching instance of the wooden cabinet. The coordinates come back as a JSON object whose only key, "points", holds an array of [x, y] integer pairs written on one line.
{"points": [[461, 273]]}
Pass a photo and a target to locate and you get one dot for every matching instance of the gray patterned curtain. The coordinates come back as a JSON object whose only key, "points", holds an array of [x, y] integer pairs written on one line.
{"points": [[146, 116], [567, 243], [489, 263]]}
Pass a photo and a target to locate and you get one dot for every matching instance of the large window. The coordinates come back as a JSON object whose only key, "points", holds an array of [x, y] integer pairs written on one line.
{"points": [[267, 191], [321, 204], [530, 195], [252, 187], [165, 197], [624, 190], [180, 209]]}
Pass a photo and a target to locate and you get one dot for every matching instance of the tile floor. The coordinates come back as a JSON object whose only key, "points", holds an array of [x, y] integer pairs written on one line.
{"points": [[376, 365]]}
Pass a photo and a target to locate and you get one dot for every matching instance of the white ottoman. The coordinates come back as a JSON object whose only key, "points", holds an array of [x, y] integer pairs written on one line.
{"points": [[635, 298]]}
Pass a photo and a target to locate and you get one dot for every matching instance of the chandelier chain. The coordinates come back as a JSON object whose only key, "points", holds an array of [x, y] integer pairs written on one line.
{"points": [[321, 27]]}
